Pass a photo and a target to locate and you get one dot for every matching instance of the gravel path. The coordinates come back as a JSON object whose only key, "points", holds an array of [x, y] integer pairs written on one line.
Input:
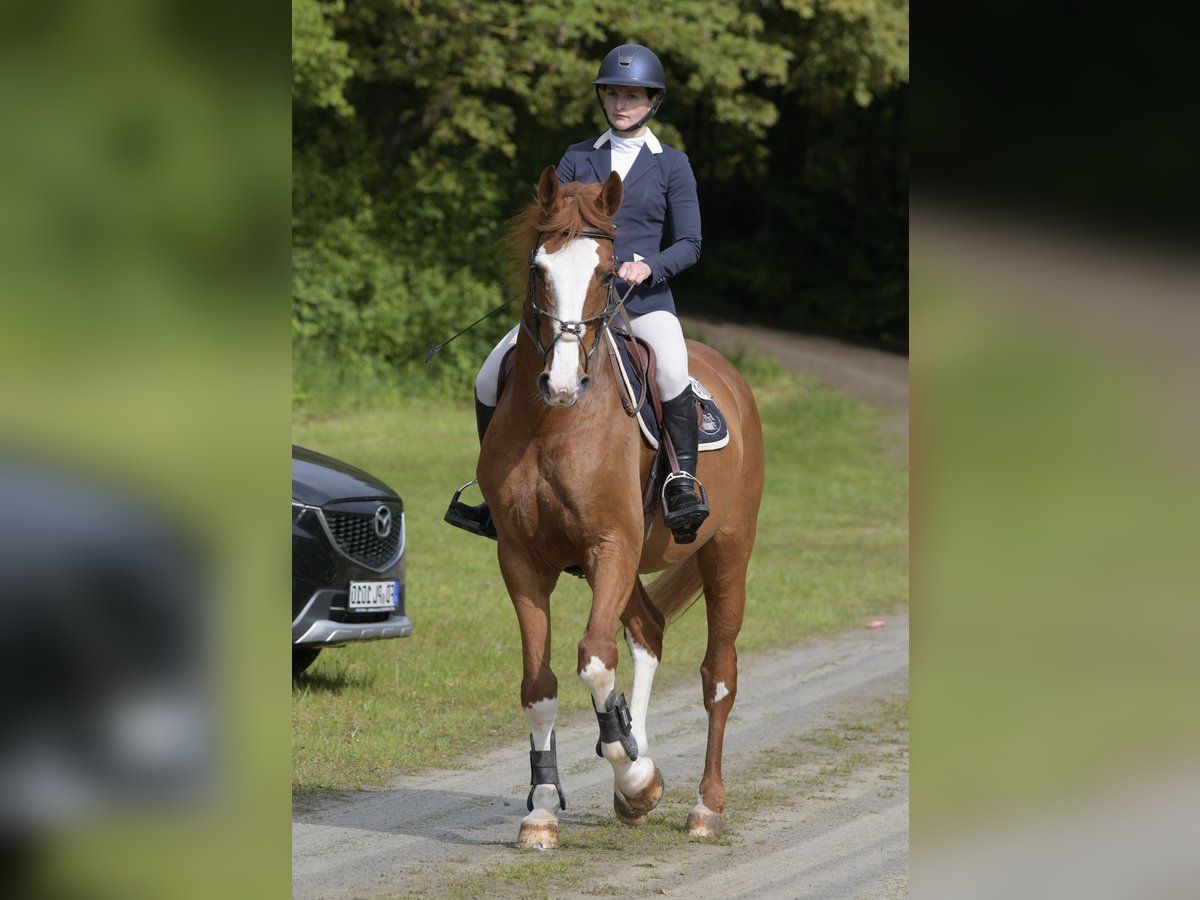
{"points": [[841, 835]]}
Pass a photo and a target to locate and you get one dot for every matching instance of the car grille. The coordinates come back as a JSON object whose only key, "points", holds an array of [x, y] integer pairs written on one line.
{"points": [[355, 536]]}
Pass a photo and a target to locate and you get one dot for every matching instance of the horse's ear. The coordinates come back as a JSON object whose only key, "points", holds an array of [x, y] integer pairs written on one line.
{"points": [[547, 187], [611, 193]]}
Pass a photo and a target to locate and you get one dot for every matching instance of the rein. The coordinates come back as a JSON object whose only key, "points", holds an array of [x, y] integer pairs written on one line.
{"points": [[566, 328]]}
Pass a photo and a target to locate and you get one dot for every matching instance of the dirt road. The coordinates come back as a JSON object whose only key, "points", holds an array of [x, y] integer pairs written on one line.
{"points": [[815, 762]]}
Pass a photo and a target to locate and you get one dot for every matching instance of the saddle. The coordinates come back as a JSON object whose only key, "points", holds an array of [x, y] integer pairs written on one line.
{"points": [[713, 430], [633, 364]]}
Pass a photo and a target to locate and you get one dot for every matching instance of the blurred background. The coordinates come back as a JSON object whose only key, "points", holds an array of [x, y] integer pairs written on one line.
{"points": [[1055, 299], [144, 371]]}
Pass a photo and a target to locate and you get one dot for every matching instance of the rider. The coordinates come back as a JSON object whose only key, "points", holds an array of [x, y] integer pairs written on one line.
{"points": [[659, 188]]}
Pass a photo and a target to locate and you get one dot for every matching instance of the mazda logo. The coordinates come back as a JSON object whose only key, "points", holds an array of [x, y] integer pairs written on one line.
{"points": [[383, 521]]}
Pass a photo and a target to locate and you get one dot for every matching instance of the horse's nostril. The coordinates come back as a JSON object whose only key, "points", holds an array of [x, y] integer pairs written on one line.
{"points": [[583, 384], [544, 383]]}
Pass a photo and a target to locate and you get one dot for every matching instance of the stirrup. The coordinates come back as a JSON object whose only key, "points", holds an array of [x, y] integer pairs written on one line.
{"points": [[474, 519], [686, 522]]}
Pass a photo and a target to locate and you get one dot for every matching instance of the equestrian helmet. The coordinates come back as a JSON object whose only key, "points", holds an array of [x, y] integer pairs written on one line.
{"points": [[632, 64]]}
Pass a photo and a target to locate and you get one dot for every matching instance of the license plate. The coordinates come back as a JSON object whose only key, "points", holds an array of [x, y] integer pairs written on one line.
{"points": [[373, 594]]}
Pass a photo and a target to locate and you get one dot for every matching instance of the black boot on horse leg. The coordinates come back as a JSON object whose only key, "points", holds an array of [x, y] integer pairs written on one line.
{"points": [[616, 730], [475, 519], [539, 830], [685, 503]]}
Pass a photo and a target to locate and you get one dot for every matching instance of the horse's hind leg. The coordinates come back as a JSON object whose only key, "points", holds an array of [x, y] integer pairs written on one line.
{"points": [[530, 592], [643, 634], [723, 562]]}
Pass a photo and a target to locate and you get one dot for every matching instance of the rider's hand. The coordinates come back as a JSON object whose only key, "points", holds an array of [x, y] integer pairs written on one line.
{"points": [[634, 272]]}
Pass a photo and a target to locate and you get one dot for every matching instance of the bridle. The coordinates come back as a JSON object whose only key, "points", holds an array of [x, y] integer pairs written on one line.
{"points": [[566, 329]]}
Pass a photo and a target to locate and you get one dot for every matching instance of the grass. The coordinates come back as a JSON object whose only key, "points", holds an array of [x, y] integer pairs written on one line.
{"points": [[831, 550]]}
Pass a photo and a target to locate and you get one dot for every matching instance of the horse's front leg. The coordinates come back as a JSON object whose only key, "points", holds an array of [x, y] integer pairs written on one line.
{"points": [[530, 591], [638, 784]]}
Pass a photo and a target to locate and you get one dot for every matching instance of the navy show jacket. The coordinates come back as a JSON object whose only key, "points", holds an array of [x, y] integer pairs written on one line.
{"points": [[659, 199]]}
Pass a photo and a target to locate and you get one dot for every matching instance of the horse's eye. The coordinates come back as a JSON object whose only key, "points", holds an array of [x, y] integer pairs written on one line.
{"points": [[608, 278]]}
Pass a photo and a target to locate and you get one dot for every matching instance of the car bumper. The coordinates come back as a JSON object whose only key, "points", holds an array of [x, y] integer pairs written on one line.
{"points": [[324, 623], [327, 634]]}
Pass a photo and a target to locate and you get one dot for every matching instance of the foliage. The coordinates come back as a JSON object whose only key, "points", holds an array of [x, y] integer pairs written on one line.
{"points": [[830, 248], [320, 63], [847, 49], [420, 127]]}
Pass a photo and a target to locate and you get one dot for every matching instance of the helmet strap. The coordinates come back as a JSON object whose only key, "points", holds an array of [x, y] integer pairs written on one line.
{"points": [[646, 118]]}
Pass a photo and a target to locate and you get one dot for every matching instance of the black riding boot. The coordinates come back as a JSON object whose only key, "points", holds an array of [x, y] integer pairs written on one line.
{"points": [[475, 519], [685, 504]]}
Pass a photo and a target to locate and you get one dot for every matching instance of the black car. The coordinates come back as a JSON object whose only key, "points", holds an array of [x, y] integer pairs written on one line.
{"points": [[347, 557]]}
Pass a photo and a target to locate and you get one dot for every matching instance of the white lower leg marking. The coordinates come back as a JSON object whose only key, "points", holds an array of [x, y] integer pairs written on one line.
{"points": [[545, 803], [600, 680], [645, 664], [704, 822], [541, 716], [720, 693], [631, 776]]}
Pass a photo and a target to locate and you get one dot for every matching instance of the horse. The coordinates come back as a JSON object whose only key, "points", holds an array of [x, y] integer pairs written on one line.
{"points": [[562, 467]]}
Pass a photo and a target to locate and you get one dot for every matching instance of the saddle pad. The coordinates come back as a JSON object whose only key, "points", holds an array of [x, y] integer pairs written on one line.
{"points": [[714, 432]]}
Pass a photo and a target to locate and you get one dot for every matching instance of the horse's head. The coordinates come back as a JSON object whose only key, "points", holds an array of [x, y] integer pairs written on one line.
{"points": [[571, 273]]}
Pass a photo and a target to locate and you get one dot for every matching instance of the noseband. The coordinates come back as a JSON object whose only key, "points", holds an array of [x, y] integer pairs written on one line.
{"points": [[565, 328]]}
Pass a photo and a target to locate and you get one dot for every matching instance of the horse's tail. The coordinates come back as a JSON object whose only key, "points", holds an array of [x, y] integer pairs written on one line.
{"points": [[676, 589]]}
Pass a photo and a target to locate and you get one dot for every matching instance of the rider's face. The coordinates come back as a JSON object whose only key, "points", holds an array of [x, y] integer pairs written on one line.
{"points": [[625, 105]]}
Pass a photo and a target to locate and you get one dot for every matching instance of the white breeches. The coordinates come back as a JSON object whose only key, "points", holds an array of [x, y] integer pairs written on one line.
{"points": [[659, 329], [489, 372]]}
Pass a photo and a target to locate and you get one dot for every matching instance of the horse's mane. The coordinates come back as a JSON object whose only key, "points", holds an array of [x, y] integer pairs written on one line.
{"points": [[575, 208]]}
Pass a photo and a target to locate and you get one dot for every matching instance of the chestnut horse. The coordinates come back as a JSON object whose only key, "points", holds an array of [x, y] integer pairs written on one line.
{"points": [[563, 469]]}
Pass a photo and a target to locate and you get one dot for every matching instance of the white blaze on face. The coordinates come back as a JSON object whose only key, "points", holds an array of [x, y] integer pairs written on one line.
{"points": [[569, 270]]}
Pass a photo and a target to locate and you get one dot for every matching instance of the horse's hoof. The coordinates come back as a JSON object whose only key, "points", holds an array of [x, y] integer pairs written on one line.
{"points": [[703, 822], [634, 810], [538, 836]]}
